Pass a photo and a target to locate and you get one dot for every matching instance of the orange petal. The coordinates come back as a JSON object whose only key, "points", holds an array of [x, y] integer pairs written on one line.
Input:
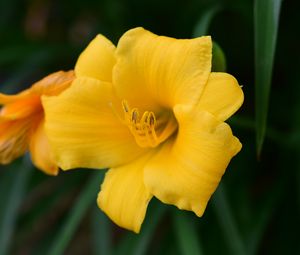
{"points": [[28, 102], [7, 99], [54, 83], [21, 108], [51, 85], [14, 138]]}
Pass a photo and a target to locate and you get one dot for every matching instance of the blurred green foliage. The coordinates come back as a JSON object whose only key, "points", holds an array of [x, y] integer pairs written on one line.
{"points": [[257, 207]]}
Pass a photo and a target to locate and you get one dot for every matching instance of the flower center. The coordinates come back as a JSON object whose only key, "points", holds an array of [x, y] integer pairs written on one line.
{"points": [[147, 130]]}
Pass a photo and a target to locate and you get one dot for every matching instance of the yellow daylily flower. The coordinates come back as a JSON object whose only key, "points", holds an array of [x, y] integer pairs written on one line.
{"points": [[22, 122], [152, 111]]}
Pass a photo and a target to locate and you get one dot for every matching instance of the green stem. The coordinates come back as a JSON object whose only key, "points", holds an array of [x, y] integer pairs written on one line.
{"points": [[84, 202], [15, 185], [226, 219]]}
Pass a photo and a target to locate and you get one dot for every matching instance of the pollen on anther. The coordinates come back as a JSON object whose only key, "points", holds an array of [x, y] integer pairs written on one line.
{"points": [[134, 115], [152, 119]]}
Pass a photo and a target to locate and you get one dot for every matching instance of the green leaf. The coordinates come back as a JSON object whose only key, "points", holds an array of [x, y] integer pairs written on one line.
{"points": [[266, 19], [201, 28], [263, 217], [218, 59], [102, 233], [87, 196], [205, 20], [186, 233], [125, 244], [138, 244], [226, 220], [13, 186], [148, 228]]}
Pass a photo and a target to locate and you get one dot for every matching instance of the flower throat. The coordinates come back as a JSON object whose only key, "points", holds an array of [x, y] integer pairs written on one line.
{"points": [[146, 129]]}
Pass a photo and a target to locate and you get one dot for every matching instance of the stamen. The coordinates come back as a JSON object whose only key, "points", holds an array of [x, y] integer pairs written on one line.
{"points": [[144, 129], [134, 115], [125, 106], [152, 120]]}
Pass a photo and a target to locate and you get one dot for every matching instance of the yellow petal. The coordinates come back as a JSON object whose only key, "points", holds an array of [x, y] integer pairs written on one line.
{"points": [[124, 197], [188, 169], [222, 96], [155, 70], [41, 154], [83, 129], [97, 60]]}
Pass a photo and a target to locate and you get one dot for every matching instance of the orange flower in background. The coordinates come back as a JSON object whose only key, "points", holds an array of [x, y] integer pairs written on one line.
{"points": [[22, 122]]}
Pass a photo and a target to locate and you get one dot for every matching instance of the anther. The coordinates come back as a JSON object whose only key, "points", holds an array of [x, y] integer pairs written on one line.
{"points": [[144, 128], [144, 117], [134, 115], [152, 120]]}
